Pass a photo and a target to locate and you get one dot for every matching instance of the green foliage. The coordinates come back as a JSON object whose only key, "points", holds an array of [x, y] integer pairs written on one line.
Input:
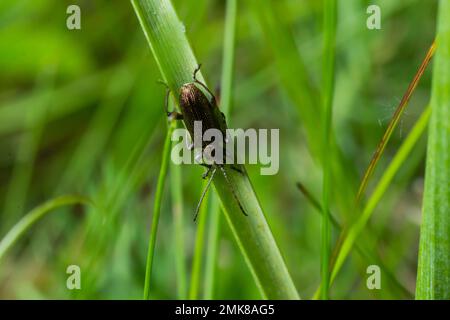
{"points": [[81, 112]]}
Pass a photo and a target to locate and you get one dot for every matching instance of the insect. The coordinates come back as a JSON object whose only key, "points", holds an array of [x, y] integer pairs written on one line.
{"points": [[195, 106]]}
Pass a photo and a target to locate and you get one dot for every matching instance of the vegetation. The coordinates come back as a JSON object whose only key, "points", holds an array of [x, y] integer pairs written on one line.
{"points": [[83, 134]]}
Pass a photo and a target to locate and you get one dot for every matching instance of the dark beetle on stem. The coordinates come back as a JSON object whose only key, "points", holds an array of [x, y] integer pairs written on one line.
{"points": [[195, 106]]}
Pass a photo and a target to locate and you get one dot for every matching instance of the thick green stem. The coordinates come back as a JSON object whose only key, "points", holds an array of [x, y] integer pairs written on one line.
{"points": [[171, 49]]}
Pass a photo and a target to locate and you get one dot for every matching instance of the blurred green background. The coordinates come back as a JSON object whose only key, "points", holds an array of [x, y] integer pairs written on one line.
{"points": [[81, 112]]}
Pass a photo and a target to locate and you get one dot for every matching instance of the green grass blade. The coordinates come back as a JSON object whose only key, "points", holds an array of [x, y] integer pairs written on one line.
{"points": [[157, 209], [171, 49], [228, 57], [34, 216], [394, 122], [380, 189], [126, 182], [212, 248], [329, 50], [366, 254], [291, 68], [433, 275], [349, 236], [197, 260], [178, 221]]}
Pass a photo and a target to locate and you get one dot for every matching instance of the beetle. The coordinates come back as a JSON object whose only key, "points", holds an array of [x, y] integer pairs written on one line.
{"points": [[195, 106]]}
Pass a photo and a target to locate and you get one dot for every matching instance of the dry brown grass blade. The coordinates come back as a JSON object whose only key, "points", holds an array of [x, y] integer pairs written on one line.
{"points": [[394, 121]]}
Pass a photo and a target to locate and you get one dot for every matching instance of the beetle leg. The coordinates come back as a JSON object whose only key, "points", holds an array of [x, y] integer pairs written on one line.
{"points": [[207, 172], [172, 115], [194, 76], [204, 193], [189, 142], [205, 165]]}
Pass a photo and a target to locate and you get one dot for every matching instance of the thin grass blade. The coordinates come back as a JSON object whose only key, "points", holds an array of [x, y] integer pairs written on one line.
{"points": [[157, 209], [35, 216]]}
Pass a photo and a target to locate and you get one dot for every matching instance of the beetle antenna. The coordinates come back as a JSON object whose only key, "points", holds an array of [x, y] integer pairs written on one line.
{"points": [[194, 76], [232, 190], [197, 210]]}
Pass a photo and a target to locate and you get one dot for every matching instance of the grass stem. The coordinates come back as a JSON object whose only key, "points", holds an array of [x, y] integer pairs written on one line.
{"points": [[176, 186], [433, 274], [167, 39], [197, 260], [157, 209]]}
